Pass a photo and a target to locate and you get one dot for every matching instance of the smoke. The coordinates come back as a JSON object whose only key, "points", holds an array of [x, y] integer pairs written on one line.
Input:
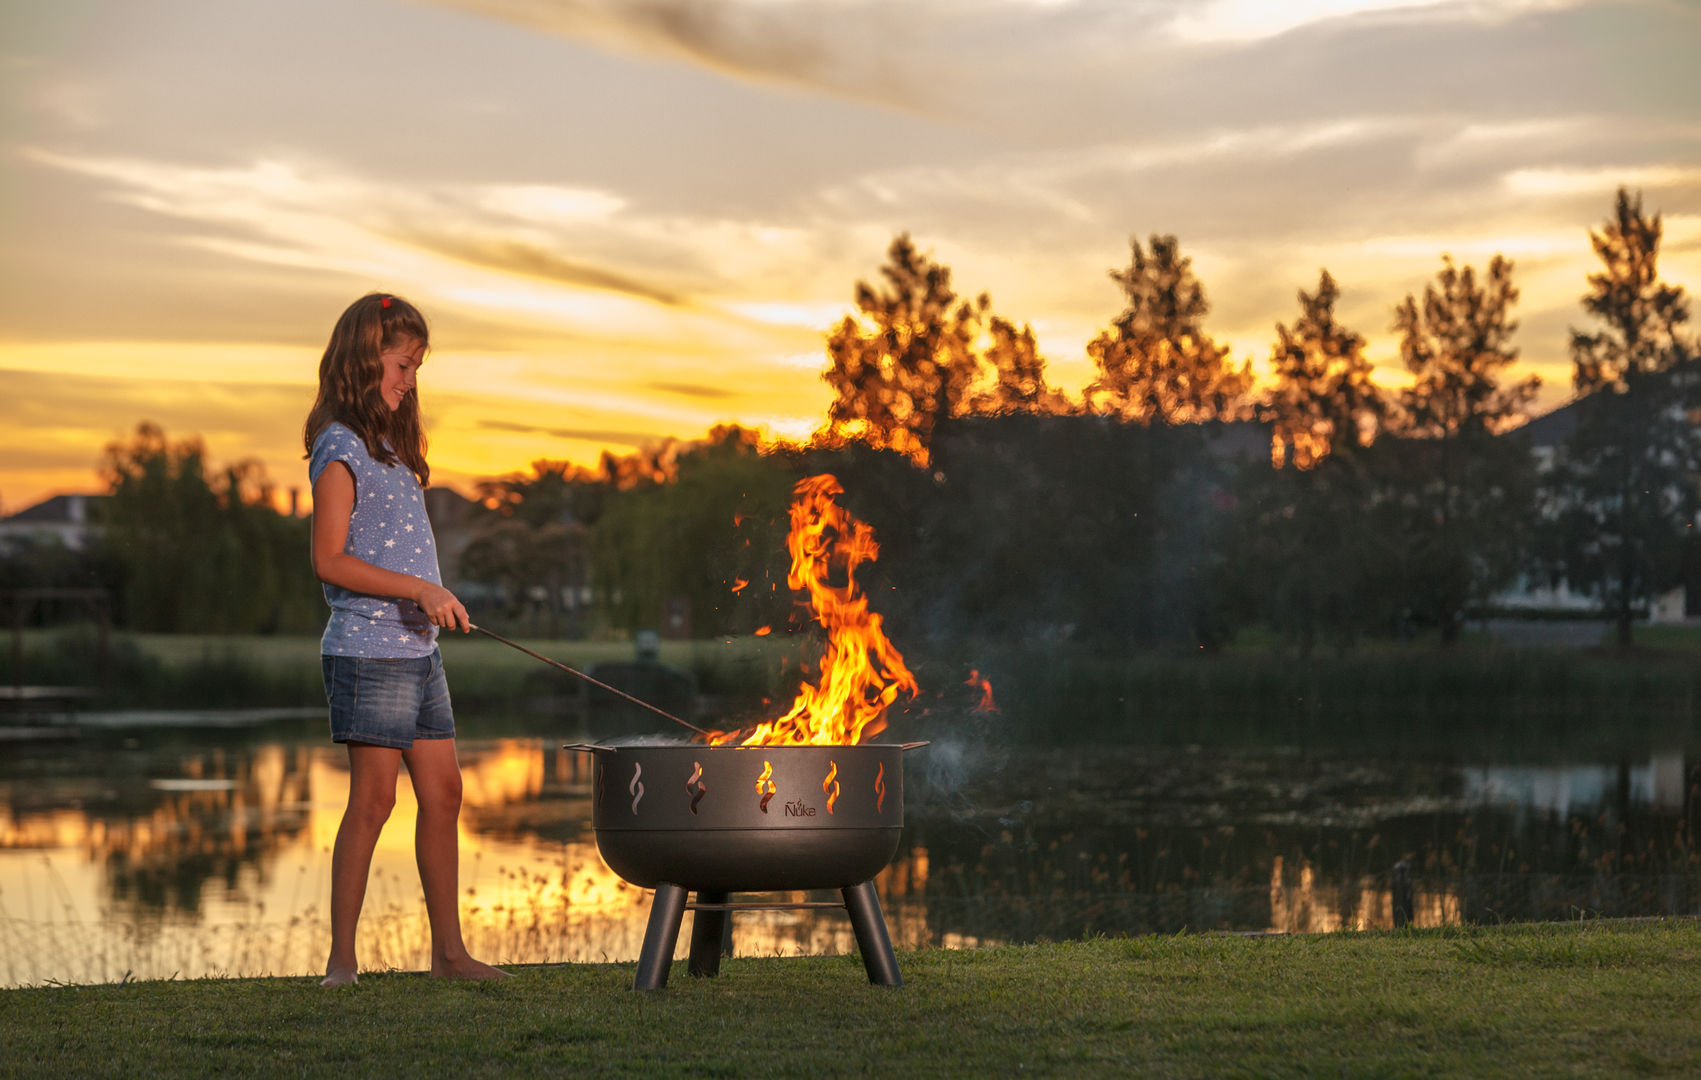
{"points": [[644, 740], [958, 774]]}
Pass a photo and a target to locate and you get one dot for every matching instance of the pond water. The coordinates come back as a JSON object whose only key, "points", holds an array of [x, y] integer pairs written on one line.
{"points": [[178, 853]]}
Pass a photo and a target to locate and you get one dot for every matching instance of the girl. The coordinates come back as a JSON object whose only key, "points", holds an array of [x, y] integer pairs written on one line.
{"points": [[373, 549]]}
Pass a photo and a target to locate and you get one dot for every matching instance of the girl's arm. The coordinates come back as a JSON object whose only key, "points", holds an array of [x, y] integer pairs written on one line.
{"points": [[333, 502]]}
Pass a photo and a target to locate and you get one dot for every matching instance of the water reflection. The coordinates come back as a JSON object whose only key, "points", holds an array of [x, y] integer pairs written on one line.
{"points": [[194, 859]]}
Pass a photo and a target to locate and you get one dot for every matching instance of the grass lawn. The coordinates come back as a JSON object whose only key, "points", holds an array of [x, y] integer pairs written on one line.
{"points": [[1580, 999]]}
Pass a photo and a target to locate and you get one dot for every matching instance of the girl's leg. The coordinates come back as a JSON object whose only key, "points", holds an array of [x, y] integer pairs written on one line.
{"points": [[436, 776], [371, 795]]}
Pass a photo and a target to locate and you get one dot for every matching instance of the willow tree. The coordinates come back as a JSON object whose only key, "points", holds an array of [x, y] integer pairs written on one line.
{"points": [[202, 551], [1156, 363], [1623, 494]]}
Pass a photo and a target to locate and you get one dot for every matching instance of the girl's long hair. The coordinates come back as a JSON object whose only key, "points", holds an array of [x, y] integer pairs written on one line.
{"points": [[351, 376]]}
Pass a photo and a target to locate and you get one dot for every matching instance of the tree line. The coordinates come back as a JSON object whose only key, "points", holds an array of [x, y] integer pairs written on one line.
{"points": [[1174, 501]]}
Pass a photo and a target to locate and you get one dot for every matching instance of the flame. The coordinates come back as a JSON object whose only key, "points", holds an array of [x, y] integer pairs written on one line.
{"points": [[861, 674], [764, 631], [830, 786], [979, 682], [765, 787], [738, 585]]}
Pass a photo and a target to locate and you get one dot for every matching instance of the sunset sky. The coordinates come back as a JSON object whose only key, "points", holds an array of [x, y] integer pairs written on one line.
{"points": [[629, 219]]}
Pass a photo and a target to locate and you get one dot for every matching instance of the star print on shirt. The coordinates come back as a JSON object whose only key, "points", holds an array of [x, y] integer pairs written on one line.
{"points": [[389, 543]]}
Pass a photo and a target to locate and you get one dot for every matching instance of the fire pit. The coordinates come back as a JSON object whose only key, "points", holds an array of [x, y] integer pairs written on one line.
{"points": [[717, 820], [798, 802]]}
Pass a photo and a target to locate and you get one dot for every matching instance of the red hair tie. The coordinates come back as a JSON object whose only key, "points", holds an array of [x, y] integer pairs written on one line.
{"points": [[385, 302]]}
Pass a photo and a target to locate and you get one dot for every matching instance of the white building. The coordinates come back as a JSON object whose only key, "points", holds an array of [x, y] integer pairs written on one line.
{"points": [[67, 519]]}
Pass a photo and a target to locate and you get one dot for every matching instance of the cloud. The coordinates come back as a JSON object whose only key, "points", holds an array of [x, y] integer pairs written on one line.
{"points": [[592, 435], [691, 390], [66, 420], [648, 199], [844, 49], [1240, 21], [315, 217], [530, 260], [1591, 182]]}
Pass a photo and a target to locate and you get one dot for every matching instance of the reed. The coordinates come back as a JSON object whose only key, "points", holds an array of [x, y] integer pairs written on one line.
{"points": [[1386, 698], [1471, 698]]}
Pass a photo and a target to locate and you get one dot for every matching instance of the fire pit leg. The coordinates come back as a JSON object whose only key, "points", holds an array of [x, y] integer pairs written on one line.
{"points": [[872, 940], [708, 930], [660, 937]]}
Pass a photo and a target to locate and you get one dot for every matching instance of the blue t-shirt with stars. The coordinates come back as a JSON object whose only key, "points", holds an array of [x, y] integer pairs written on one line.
{"points": [[387, 528]]}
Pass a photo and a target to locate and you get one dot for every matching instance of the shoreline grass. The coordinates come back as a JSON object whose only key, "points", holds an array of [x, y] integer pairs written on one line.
{"points": [[1592, 999], [1479, 696]]}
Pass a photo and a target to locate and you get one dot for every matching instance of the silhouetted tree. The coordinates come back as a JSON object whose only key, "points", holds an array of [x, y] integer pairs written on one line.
{"points": [[200, 554], [1155, 363], [1323, 402], [905, 363], [1309, 540], [538, 566], [1623, 491], [1461, 495], [1018, 374], [722, 519], [552, 491]]}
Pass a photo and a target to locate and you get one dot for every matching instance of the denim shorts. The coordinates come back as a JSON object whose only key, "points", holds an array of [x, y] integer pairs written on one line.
{"points": [[388, 702]]}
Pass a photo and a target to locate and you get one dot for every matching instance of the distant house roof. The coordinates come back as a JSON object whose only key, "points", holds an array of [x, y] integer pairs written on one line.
{"points": [[57, 510], [66, 518], [1552, 428], [447, 507]]}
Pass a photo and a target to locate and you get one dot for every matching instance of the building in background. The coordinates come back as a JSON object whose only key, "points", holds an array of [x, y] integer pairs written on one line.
{"points": [[71, 520]]}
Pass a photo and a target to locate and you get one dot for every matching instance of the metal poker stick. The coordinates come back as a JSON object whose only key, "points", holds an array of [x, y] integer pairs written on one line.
{"points": [[587, 678]]}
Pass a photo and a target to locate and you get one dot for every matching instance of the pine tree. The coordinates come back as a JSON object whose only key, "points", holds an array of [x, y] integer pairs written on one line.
{"points": [[1623, 493], [1462, 488], [904, 365], [1156, 364], [1323, 402]]}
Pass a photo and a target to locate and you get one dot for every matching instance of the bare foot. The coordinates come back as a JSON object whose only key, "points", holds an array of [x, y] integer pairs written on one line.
{"points": [[340, 976], [465, 968]]}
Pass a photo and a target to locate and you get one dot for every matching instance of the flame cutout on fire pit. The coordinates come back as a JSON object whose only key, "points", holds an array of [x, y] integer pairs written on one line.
{"points": [[880, 788], [695, 785], [636, 787], [766, 787], [830, 786]]}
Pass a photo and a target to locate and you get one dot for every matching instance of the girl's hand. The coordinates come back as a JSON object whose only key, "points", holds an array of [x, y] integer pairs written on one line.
{"points": [[441, 607]]}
